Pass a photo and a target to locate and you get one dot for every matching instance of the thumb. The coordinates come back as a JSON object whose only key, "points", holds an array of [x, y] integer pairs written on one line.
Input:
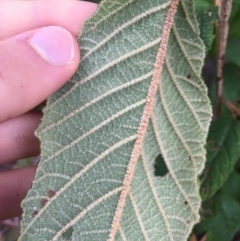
{"points": [[33, 65]]}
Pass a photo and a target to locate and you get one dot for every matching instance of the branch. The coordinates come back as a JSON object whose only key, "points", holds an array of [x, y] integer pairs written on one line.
{"points": [[222, 33], [233, 108]]}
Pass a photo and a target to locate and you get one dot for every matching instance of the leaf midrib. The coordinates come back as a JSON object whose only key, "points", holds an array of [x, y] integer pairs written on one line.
{"points": [[142, 129]]}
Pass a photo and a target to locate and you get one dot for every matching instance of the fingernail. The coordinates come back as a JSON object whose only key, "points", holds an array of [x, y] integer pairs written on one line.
{"points": [[54, 44]]}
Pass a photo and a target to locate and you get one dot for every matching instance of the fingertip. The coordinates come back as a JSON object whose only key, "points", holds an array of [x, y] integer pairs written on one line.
{"points": [[33, 66], [54, 44]]}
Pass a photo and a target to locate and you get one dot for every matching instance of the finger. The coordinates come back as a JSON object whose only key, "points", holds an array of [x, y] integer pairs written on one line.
{"points": [[34, 64], [13, 188], [17, 137], [36, 14]]}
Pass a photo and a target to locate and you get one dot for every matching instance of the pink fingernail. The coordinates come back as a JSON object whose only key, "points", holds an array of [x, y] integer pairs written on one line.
{"points": [[54, 44]]}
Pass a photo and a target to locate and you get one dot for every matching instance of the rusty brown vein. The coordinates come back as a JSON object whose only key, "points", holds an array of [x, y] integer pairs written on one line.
{"points": [[142, 129]]}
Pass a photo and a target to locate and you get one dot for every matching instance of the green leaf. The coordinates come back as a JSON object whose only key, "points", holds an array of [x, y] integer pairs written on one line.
{"points": [[234, 23], [225, 221], [222, 153], [234, 30], [136, 94], [237, 167], [234, 12], [206, 18], [233, 50], [231, 186], [222, 224], [232, 82]]}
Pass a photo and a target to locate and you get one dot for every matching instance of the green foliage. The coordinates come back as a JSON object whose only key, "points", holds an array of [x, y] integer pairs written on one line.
{"points": [[233, 50], [222, 213], [232, 82], [234, 14], [231, 186], [235, 20], [223, 151], [220, 180], [207, 14], [225, 220]]}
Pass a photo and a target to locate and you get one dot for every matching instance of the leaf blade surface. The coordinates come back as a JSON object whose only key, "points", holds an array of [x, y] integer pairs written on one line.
{"points": [[91, 126]]}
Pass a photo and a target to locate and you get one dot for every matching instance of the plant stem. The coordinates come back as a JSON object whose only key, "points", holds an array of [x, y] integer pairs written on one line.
{"points": [[234, 109], [222, 33]]}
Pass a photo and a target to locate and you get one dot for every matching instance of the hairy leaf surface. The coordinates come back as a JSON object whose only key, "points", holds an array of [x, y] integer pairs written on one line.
{"points": [[136, 94]]}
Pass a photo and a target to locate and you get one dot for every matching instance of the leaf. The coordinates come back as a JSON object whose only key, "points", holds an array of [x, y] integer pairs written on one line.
{"points": [[231, 186], [234, 30], [136, 94], [231, 82], [207, 14], [234, 22], [207, 18], [233, 51], [234, 11], [237, 167], [223, 223], [223, 153]]}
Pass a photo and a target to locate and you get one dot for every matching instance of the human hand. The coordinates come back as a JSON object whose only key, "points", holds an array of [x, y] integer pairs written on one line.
{"points": [[32, 67]]}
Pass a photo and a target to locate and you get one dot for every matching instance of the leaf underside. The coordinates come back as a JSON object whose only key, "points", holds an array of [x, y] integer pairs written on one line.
{"points": [[91, 126]]}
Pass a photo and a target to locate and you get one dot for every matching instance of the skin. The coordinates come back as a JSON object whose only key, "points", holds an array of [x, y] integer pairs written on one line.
{"points": [[24, 85]]}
